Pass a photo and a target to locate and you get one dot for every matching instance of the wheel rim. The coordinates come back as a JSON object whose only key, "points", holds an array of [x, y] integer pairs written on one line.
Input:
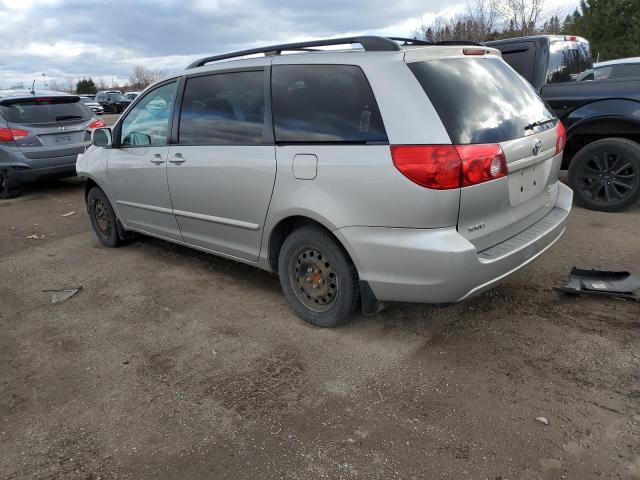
{"points": [[101, 216], [313, 279], [607, 177]]}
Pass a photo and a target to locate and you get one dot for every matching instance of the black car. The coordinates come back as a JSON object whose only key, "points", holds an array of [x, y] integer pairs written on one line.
{"points": [[112, 102], [601, 117]]}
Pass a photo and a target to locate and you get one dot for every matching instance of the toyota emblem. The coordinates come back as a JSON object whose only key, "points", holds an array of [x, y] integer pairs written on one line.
{"points": [[536, 146]]}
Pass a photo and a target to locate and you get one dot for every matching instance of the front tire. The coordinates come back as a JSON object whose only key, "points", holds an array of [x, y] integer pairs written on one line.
{"points": [[318, 278], [605, 174], [103, 218]]}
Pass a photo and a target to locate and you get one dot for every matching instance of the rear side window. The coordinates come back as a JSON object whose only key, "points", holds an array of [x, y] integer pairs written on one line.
{"points": [[44, 110], [324, 103], [223, 109], [626, 70], [481, 100]]}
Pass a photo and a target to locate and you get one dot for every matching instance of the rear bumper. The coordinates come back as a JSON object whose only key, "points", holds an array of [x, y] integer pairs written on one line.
{"points": [[441, 266], [63, 167]]}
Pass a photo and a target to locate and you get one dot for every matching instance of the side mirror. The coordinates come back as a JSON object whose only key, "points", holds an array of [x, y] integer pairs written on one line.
{"points": [[101, 137]]}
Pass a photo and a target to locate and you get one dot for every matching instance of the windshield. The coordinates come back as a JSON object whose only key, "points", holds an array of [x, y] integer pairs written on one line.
{"points": [[569, 61], [482, 100], [117, 97], [87, 100], [44, 110]]}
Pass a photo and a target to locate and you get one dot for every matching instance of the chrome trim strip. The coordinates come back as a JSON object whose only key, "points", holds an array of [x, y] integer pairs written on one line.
{"points": [[223, 221], [145, 207]]}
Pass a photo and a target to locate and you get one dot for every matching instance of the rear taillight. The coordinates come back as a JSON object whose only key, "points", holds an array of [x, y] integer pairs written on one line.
{"points": [[444, 167], [561, 137], [432, 166], [11, 134], [96, 124], [481, 163]]}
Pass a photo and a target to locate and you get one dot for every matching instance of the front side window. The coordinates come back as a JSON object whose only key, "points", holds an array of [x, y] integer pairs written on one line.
{"points": [[602, 73], [147, 123], [223, 109], [626, 70], [324, 103]]}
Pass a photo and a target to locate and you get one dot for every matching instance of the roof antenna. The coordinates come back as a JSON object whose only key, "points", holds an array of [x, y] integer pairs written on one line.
{"points": [[33, 88]]}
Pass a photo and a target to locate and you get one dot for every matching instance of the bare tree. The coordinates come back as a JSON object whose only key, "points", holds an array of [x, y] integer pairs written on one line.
{"points": [[54, 85], [68, 84], [524, 16], [479, 22], [17, 85], [485, 20], [141, 77]]}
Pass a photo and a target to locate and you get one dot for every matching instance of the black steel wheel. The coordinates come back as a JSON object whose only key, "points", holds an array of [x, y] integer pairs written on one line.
{"points": [[317, 277], [605, 175], [103, 218]]}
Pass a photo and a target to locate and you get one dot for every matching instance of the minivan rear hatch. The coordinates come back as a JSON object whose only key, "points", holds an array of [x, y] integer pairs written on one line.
{"points": [[56, 125], [482, 100]]}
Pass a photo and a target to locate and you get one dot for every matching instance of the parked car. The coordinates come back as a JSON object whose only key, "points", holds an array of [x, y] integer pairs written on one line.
{"points": [[131, 95], [620, 68], [112, 102], [41, 134], [388, 173], [602, 117], [92, 105]]}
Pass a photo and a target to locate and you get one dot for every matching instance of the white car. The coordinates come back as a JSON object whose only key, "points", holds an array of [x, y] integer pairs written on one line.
{"points": [[131, 95], [620, 68]]}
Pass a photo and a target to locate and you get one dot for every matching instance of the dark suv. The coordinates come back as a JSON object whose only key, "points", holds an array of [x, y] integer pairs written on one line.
{"points": [[112, 102], [41, 135]]}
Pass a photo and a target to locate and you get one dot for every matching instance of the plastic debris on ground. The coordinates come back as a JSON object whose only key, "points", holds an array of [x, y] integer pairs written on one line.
{"points": [[603, 283]]}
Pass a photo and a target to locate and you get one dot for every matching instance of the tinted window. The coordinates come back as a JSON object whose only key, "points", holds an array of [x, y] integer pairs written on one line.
{"points": [[116, 97], [626, 70], [223, 109], [148, 122], [480, 100], [324, 103], [522, 59], [44, 110], [567, 60]]}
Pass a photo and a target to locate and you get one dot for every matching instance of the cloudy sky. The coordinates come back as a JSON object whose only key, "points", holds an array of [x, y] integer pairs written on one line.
{"points": [[78, 38]]}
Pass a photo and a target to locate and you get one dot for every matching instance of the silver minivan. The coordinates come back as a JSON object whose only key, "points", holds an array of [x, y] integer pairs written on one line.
{"points": [[396, 171]]}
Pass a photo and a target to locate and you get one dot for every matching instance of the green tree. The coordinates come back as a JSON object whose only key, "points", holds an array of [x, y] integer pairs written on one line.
{"points": [[611, 26], [86, 85]]}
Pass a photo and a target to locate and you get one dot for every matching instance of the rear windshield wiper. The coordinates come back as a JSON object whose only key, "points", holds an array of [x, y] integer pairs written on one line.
{"points": [[533, 125], [60, 118]]}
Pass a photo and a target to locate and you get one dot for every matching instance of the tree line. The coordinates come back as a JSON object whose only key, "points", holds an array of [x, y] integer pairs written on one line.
{"points": [[139, 78], [611, 26]]}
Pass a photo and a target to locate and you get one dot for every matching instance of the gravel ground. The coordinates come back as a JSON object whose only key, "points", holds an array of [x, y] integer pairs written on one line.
{"points": [[171, 363]]}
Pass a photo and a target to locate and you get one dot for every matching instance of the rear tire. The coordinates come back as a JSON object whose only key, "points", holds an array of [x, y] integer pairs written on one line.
{"points": [[7, 188], [103, 218], [318, 278], [605, 175]]}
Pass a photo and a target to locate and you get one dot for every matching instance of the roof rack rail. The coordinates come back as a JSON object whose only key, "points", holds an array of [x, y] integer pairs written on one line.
{"points": [[410, 41], [369, 43], [459, 42]]}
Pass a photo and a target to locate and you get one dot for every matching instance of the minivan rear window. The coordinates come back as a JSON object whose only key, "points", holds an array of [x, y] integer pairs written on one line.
{"points": [[44, 110], [481, 100]]}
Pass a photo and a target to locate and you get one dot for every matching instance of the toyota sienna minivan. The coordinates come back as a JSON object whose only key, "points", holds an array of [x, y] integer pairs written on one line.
{"points": [[395, 171]]}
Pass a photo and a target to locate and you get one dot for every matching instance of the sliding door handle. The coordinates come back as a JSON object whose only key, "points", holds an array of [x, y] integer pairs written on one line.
{"points": [[177, 159]]}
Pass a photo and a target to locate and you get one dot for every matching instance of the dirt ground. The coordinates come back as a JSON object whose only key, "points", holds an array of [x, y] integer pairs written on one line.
{"points": [[175, 364]]}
